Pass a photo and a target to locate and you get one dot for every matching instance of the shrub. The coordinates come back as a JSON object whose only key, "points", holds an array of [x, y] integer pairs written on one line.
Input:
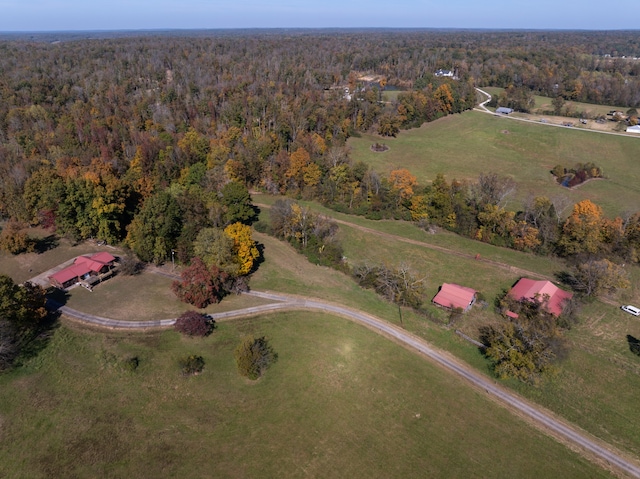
{"points": [[191, 365], [254, 356], [193, 323], [131, 364]]}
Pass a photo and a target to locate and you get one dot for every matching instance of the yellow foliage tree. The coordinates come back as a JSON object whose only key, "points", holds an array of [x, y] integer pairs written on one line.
{"points": [[582, 231], [298, 160], [402, 181], [244, 247]]}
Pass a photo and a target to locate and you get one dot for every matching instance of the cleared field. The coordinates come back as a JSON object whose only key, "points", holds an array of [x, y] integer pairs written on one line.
{"points": [[340, 402], [463, 146], [597, 384], [543, 103]]}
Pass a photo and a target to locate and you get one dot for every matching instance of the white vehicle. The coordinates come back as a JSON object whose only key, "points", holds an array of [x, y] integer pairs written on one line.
{"points": [[631, 309]]}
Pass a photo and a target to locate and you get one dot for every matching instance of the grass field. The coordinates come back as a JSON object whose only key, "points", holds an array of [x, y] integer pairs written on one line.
{"points": [[340, 402], [543, 103], [463, 146], [597, 385]]}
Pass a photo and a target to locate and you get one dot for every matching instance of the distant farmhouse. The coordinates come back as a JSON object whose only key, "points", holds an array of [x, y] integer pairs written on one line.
{"points": [[444, 73], [504, 110], [453, 296], [85, 270]]}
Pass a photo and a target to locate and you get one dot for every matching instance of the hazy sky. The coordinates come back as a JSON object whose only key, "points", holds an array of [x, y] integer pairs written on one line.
{"points": [[55, 15]]}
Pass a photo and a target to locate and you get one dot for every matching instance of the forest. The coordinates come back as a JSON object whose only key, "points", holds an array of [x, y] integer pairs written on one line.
{"points": [[155, 141]]}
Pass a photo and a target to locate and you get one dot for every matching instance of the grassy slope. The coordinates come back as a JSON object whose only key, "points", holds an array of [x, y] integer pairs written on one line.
{"points": [[340, 402], [463, 146], [598, 384]]}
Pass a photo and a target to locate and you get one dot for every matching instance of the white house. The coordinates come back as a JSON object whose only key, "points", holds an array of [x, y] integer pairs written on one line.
{"points": [[444, 73], [633, 129]]}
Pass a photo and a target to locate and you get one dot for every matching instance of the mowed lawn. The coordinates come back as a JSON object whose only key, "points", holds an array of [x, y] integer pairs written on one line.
{"points": [[340, 402], [466, 145]]}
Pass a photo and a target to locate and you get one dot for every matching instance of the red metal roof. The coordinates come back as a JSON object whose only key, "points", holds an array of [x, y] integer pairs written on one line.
{"points": [[70, 272], [454, 296], [546, 292], [83, 265]]}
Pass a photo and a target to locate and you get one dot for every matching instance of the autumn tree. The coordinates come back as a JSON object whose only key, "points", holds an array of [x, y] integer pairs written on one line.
{"points": [[253, 356], [582, 231], [14, 239], [402, 183], [200, 285], [299, 160], [244, 247], [594, 277]]}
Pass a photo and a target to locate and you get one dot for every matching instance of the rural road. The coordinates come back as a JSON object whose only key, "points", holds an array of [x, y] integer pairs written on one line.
{"points": [[604, 454], [482, 108]]}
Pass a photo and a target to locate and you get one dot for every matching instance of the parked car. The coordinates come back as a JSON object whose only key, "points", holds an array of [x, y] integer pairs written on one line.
{"points": [[631, 309]]}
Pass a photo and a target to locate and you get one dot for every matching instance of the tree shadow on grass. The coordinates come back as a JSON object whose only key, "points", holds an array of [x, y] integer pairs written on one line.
{"points": [[37, 339], [634, 344], [45, 244]]}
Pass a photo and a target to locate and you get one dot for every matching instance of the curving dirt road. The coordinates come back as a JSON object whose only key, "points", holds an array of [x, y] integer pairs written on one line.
{"points": [[590, 447]]}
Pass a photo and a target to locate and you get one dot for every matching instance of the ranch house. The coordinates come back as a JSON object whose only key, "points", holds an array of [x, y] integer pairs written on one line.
{"points": [[86, 270]]}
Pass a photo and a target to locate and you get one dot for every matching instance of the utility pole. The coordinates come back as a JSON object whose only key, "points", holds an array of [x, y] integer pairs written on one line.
{"points": [[173, 261]]}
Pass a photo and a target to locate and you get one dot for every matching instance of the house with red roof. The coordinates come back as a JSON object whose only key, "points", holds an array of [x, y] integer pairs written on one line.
{"points": [[454, 296], [89, 269], [548, 294]]}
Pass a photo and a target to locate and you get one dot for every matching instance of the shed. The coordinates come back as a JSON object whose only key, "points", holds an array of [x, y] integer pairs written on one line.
{"points": [[633, 129], [548, 294], [454, 296], [504, 110]]}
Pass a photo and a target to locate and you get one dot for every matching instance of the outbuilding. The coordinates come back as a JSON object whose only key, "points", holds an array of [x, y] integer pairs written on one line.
{"points": [[454, 296], [633, 129], [504, 110], [548, 294]]}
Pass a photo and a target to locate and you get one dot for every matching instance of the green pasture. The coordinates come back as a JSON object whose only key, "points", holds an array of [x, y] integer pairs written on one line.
{"points": [[596, 386], [543, 103], [340, 402], [606, 366], [466, 145]]}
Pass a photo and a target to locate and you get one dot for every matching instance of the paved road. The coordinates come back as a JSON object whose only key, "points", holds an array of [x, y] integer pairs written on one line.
{"points": [[545, 421]]}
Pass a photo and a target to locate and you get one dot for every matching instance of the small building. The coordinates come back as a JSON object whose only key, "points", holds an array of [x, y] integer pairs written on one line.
{"points": [[633, 129], [453, 296], [444, 73], [90, 269], [504, 110], [548, 294]]}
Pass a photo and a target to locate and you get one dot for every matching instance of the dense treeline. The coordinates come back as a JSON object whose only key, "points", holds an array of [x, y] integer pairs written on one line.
{"points": [[152, 140]]}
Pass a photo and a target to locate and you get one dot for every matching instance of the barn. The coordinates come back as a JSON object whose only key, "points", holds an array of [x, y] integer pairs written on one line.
{"points": [[454, 296]]}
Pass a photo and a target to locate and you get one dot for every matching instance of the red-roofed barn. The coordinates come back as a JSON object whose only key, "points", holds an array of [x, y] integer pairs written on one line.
{"points": [[453, 296], [551, 297], [83, 268]]}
